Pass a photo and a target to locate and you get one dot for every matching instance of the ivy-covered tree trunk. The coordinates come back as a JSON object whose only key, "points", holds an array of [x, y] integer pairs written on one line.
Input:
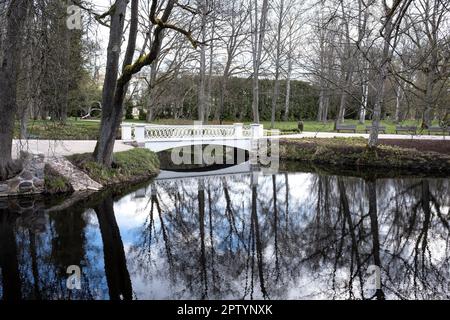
{"points": [[16, 14], [115, 89], [110, 115]]}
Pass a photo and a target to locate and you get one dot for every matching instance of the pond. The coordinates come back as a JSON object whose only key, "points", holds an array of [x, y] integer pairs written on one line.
{"points": [[292, 235]]}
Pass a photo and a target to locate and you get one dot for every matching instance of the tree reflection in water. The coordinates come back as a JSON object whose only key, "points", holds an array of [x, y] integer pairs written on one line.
{"points": [[118, 278], [286, 236], [11, 288]]}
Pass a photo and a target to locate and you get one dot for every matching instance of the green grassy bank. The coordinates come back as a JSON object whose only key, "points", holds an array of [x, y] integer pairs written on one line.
{"points": [[354, 153], [131, 166]]}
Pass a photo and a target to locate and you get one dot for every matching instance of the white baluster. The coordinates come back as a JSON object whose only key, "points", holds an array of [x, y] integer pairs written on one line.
{"points": [[126, 131], [238, 130], [257, 130], [139, 132]]}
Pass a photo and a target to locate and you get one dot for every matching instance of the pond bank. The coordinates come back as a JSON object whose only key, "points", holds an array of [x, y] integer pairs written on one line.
{"points": [[353, 153], [78, 173], [129, 167]]}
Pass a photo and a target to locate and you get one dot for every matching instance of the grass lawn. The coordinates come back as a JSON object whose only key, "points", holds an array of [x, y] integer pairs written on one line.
{"points": [[315, 126], [88, 129], [72, 130]]}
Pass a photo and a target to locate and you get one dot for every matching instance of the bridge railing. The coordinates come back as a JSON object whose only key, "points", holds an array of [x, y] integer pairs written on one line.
{"points": [[145, 132], [182, 132]]}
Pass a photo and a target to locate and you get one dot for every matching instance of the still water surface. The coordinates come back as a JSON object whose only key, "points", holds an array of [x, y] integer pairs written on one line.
{"points": [[292, 235]]}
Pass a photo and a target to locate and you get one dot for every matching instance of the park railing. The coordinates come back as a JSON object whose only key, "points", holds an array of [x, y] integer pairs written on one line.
{"points": [[147, 132]]}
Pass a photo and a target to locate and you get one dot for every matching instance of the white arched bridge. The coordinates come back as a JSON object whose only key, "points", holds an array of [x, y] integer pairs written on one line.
{"points": [[165, 137]]}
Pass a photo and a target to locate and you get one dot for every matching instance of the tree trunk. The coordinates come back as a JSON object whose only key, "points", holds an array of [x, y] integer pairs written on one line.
{"points": [[381, 81], [27, 104], [373, 214], [222, 99], [202, 70], [151, 86], [276, 89], [201, 86], [223, 91], [437, 67], [379, 97], [23, 135], [201, 221], [321, 105], [210, 72], [398, 99], [364, 101], [112, 100], [429, 100], [347, 86], [8, 85], [9, 265], [288, 91], [388, 50], [275, 226], [27, 72], [342, 105], [345, 210], [255, 101], [113, 108], [151, 114], [321, 66], [117, 275], [63, 107], [346, 69], [257, 239], [258, 41], [276, 92]]}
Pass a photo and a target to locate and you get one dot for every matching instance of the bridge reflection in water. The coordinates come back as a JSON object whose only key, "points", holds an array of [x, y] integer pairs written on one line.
{"points": [[239, 169]]}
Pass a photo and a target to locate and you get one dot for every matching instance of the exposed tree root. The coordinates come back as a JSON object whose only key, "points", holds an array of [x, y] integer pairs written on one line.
{"points": [[10, 169]]}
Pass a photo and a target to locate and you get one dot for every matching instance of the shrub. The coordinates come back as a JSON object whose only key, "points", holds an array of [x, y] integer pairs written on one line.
{"points": [[55, 183], [129, 112], [142, 115]]}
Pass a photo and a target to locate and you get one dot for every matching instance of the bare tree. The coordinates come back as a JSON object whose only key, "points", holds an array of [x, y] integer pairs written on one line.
{"points": [[202, 99], [232, 36], [427, 21], [258, 20], [326, 52], [165, 70], [115, 88], [392, 18], [351, 50], [16, 14], [112, 112], [293, 38], [212, 49], [280, 13]]}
